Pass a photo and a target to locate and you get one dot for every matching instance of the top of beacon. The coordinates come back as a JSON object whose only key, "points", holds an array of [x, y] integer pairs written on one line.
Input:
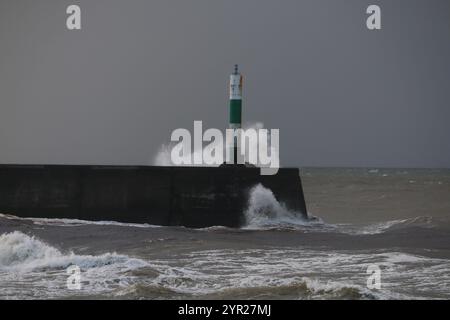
{"points": [[236, 69]]}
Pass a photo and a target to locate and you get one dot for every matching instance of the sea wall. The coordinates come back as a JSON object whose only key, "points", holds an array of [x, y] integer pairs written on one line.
{"points": [[186, 196]]}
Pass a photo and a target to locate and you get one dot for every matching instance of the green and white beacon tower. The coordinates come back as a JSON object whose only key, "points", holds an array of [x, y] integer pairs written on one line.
{"points": [[235, 111]]}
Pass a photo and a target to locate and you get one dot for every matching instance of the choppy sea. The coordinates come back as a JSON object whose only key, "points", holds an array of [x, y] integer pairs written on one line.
{"points": [[374, 234]]}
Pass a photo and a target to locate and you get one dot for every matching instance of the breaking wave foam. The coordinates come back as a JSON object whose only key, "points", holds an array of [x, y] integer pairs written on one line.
{"points": [[283, 273], [293, 273], [77, 222], [20, 252], [265, 211]]}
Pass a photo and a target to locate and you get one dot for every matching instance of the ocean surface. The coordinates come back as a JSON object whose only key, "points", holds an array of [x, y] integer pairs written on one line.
{"points": [[394, 220]]}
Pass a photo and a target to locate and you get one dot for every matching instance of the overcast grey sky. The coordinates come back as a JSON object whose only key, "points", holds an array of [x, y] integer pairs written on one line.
{"points": [[112, 93]]}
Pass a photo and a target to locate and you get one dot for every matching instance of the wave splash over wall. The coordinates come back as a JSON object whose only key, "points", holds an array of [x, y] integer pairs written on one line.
{"points": [[163, 156], [264, 210]]}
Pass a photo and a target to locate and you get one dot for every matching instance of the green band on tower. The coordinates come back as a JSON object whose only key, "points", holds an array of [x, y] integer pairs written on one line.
{"points": [[235, 111]]}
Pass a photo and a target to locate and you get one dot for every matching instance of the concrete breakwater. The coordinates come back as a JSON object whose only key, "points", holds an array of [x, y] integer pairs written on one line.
{"points": [[171, 196]]}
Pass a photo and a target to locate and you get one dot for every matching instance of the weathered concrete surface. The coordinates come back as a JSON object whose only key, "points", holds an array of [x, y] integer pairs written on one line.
{"points": [[185, 196]]}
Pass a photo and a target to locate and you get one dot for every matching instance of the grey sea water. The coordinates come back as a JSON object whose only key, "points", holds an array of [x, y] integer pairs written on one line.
{"points": [[396, 219]]}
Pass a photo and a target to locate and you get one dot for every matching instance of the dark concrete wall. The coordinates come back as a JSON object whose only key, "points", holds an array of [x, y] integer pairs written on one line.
{"points": [[192, 197]]}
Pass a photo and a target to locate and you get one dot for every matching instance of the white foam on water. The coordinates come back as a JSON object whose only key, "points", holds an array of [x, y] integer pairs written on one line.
{"points": [[303, 272], [375, 228], [31, 267], [21, 252], [77, 222]]}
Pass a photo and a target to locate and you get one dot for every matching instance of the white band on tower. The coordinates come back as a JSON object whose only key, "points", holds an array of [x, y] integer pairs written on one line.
{"points": [[235, 87]]}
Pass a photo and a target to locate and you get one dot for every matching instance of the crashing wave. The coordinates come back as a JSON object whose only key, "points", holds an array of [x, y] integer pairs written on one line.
{"points": [[264, 210], [21, 252]]}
